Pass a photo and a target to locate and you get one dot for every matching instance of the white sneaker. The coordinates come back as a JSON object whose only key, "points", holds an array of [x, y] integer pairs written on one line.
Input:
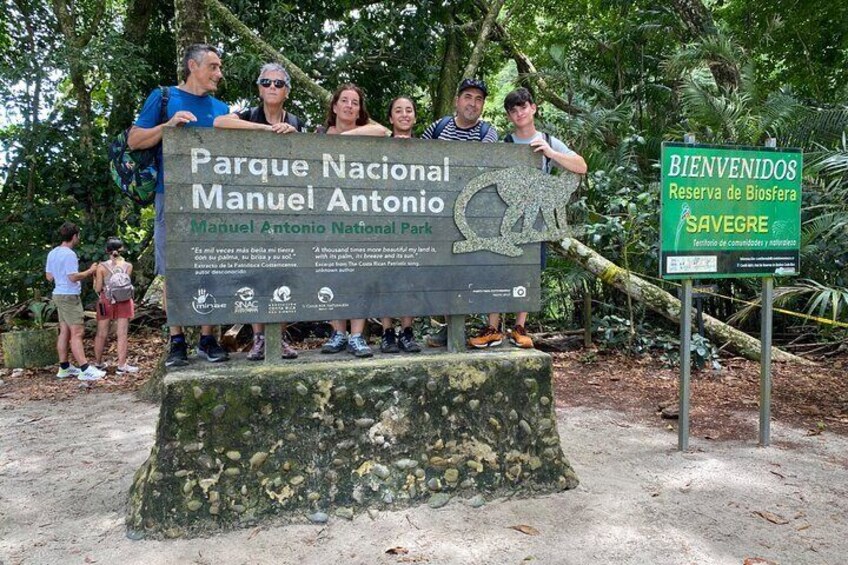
{"points": [[127, 368], [91, 374], [69, 372]]}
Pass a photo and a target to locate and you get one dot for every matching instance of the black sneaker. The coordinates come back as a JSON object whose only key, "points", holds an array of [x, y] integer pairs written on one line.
{"points": [[178, 355], [407, 342], [388, 343], [212, 352]]}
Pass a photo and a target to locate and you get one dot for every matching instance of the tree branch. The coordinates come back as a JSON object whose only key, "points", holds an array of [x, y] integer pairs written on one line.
{"points": [[485, 30], [296, 73]]}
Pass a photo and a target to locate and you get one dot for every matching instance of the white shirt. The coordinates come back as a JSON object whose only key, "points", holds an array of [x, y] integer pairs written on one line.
{"points": [[61, 262]]}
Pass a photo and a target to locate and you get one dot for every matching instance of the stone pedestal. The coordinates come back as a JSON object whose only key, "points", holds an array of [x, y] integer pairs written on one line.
{"points": [[30, 348], [238, 443]]}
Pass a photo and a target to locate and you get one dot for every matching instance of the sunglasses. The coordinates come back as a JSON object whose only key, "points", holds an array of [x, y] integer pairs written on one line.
{"points": [[266, 82]]}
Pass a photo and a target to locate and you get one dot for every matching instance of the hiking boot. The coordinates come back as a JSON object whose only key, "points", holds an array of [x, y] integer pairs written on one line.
{"points": [[488, 337], [289, 352], [336, 343], [211, 351], [407, 342], [519, 338], [388, 343], [257, 352], [178, 355], [127, 368], [91, 374], [69, 372], [437, 339], [357, 347]]}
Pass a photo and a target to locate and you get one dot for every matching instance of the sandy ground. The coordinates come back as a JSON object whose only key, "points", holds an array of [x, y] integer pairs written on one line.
{"points": [[65, 469]]}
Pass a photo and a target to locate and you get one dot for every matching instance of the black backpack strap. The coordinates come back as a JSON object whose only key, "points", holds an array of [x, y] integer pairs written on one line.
{"points": [[294, 121], [254, 114], [508, 138], [547, 165], [163, 108], [440, 127]]}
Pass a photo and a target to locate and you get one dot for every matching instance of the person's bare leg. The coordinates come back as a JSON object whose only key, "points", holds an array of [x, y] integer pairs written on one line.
{"points": [[123, 332], [77, 348], [339, 325], [521, 319], [406, 322], [62, 342], [100, 340], [494, 320], [357, 326], [386, 323]]}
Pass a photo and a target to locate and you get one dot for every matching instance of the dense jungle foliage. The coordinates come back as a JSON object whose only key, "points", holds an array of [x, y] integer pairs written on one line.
{"points": [[618, 77]]}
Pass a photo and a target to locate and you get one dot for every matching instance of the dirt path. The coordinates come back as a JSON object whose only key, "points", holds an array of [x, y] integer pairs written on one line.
{"points": [[65, 469]]}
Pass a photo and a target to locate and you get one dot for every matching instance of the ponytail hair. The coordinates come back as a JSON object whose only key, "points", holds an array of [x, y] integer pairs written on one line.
{"points": [[114, 246]]}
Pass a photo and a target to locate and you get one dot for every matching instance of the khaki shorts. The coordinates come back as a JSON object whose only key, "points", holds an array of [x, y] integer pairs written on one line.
{"points": [[69, 307]]}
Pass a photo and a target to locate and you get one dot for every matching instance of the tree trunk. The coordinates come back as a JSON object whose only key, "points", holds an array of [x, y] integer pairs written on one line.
{"points": [[449, 74], [699, 23], [482, 39], [77, 41], [664, 303], [191, 20], [136, 28]]}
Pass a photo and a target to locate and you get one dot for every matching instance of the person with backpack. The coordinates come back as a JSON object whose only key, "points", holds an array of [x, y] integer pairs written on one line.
{"points": [[62, 269], [464, 125], [113, 285], [521, 111], [190, 104], [274, 85]]}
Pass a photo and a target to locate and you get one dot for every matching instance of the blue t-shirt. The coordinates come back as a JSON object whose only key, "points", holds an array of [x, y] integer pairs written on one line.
{"points": [[61, 262], [205, 108]]}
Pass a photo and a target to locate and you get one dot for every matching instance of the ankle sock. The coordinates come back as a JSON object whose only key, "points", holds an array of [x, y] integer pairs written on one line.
{"points": [[206, 340], [178, 338], [65, 365], [84, 367]]}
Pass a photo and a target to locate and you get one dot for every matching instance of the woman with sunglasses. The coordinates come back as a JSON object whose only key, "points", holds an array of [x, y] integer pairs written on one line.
{"points": [[274, 87], [347, 115]]}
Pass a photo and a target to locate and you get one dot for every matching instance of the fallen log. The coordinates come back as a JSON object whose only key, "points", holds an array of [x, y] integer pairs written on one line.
{"points": [[664, 303]]}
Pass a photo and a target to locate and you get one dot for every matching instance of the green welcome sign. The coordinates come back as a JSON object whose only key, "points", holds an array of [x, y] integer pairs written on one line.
{"points": [[729, 212]]}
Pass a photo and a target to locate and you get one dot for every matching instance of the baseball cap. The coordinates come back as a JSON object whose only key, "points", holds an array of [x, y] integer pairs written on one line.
{"points": [[472, 83]]}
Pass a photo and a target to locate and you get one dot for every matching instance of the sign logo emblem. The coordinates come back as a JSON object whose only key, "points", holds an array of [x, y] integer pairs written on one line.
{"points": [[325, 295], [245, 293], [282, 294], [246, 303], [519, 292], [204, 303]]}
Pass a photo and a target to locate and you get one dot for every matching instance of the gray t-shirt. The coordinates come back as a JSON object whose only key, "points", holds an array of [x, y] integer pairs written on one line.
{"points": [[555, 144]]}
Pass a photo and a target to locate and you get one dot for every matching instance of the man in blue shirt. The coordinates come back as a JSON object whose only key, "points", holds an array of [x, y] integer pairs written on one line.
{"points": [[190, 104]]}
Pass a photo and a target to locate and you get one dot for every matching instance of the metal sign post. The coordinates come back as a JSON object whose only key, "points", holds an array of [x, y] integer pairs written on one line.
{"points": [[765, 360], [685, 365]]}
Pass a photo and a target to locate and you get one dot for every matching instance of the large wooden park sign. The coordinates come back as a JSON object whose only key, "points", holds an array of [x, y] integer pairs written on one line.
{"points": [[268, 228]]}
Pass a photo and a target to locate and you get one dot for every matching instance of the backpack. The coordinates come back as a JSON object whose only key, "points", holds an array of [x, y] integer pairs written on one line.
{"points": [[440, 127], [118, 287], [135, 171], [290, 119], [546, 163]]}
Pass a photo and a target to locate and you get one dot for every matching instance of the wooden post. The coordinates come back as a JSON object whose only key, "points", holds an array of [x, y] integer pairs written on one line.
{"points": [[273, 351], [456, 334], [587, 317]]}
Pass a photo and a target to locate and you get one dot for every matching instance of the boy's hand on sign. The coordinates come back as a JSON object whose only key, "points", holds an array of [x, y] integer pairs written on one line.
{"points": [[540, 145]]}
